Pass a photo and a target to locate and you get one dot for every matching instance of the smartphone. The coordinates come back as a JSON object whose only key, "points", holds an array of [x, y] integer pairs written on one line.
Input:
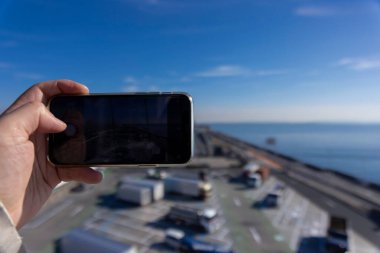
{"points": [[143, 129]]}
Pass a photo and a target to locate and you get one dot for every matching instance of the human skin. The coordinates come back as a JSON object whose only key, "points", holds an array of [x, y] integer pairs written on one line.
{"points": [[26, 177]]}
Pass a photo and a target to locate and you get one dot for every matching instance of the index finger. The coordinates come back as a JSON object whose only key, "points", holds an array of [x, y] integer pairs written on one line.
{"points": [[41, 92]]}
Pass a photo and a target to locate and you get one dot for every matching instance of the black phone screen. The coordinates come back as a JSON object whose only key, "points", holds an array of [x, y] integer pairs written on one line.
{"points": [[122, 129]]}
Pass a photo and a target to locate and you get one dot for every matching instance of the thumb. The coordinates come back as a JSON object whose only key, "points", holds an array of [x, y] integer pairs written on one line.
{"points": [[29, 118]]}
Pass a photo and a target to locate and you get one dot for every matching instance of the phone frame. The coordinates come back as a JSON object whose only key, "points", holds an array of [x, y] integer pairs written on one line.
{"points": [[147, 165]]}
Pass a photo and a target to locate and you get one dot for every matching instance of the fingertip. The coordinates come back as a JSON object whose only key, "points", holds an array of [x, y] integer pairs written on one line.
{"points": [[81, 174], [97, 176], [72, 87]]}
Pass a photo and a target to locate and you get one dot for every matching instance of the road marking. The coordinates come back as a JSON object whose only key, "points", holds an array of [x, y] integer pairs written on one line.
{"points": [[44, 217], [143, 249], [351, 242], [123, 234], [330, 203], [255, 235], [237, 201], [279, 238], [222, 234], [297, 229], [76, 211], [284, 209]]}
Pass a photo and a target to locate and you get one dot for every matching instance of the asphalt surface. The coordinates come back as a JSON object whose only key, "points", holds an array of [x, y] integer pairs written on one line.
{"points": [[251, 231], [362, 225], [40, 234]]}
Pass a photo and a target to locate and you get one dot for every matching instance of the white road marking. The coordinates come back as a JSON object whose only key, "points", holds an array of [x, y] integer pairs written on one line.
{"points": [[351, 242], [44, 217], [143, 249], [330, 203], [76, 211], [124, 234], [297, 229], [284, 209], [222, 234], [255, 235], [237, 202]]}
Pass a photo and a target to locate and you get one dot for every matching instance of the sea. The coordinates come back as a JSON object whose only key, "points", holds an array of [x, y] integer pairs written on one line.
{"points": [[353, 149]]}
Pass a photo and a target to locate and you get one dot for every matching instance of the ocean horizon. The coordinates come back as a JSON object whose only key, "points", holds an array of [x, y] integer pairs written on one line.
{"points": [[350, 148]]}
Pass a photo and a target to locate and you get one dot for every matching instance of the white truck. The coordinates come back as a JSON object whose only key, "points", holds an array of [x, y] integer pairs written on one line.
{"points": [[156, 187], [250, 168], [206, 218], [134, 194], [80, 240], [254, 180], [189, 187], [156, 174]]}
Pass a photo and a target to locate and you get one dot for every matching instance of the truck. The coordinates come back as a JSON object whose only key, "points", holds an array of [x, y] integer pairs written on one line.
{"points": [[181, 242], [156, 174], [134, 194], [264, 172], [156, 187], [250, 168], [189, 187], [253, 181], [337, 235], [80, 240], [207, 218], [254, 174]]}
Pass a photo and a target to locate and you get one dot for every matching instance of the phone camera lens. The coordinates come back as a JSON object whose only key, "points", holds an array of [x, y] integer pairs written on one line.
{"points": [[71, 130]]}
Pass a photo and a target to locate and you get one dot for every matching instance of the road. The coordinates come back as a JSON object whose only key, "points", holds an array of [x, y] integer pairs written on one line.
{"points": [[51, 223], [251, 231], [362, 225]]}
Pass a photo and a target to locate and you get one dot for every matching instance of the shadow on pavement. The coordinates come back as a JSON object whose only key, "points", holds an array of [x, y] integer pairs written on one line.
{"points": [[57, 246], [111, 202], [179, 197], [312, 245], [161, 246], [164, 223], [374, 215]]}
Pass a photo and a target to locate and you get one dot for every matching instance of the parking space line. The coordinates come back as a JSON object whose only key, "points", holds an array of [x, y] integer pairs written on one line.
{"points": [[284, 209], [255, 235], [143, 249], [222, 234], [297, 228], [123, 236], [237, 201], [330, 203], [47, 216], [352, 244], [76, 211]]}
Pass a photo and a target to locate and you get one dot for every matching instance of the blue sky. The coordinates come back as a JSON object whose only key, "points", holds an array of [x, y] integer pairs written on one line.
{"points": [[242, 60]]}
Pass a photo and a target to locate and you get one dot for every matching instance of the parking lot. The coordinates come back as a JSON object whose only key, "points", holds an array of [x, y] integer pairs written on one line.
{"points": [[145, 226], [296, 225]]}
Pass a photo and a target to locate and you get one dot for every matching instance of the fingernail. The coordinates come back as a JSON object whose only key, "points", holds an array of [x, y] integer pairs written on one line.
{"points": [[63, 124], [86, 87]]}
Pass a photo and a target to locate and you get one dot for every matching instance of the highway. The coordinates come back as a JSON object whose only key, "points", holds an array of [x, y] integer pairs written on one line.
{"points": [[365, 227]]}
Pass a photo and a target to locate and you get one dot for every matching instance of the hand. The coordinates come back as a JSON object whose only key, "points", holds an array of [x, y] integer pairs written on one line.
{"points": [[26, 177]]}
